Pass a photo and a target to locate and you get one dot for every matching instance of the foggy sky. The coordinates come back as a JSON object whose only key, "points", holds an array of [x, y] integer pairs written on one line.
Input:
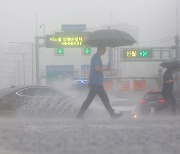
{"points": [[156, 18]]}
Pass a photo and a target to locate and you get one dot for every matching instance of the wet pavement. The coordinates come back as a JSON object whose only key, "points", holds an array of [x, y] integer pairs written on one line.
{"points": [[152, 135]]}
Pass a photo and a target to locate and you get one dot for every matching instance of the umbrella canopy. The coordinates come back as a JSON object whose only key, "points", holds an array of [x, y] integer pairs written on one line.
{"points": [[110, 38], [171, 64]]}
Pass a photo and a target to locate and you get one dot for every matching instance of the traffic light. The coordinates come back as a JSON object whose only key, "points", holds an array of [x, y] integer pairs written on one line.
{"points": [[86, 51], [59, 51]]}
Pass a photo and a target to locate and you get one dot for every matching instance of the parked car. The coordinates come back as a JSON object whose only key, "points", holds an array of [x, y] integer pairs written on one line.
{"points": [[128, 108], [154, 98], [13, 97]]}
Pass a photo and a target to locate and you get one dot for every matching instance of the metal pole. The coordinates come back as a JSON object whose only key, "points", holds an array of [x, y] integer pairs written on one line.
{"points": [[24, 76], [110, 21], [11, 78], [19, 74], [37, 61], [44, 35], [177, 46], [32, 66], [177, 37], [14, 75], [177, 31]]}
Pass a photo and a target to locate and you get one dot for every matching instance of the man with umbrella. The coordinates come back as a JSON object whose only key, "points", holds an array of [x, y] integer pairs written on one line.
{"points": [[168, 82], [102, 39], [96, 84]]}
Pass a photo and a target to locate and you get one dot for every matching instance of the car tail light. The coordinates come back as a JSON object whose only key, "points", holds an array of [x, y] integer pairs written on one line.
{"points": [[143, 101], [161, 101]]}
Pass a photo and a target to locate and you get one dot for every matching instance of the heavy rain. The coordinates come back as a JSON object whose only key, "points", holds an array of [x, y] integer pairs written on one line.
{"points": [[87, 76]]}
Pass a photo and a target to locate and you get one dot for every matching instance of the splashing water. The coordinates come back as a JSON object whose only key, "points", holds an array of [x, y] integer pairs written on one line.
{"points": [[56, 106]]}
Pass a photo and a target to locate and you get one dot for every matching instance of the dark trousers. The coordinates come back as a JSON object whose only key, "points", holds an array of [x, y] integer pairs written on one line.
{"points": [[94, 90], [169, 100]]}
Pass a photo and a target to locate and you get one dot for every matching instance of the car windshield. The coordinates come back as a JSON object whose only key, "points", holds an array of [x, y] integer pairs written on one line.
{"points": [[152, 95]]}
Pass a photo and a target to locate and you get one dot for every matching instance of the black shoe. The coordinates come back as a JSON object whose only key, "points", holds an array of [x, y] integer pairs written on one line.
{"points": [[116, 115]]}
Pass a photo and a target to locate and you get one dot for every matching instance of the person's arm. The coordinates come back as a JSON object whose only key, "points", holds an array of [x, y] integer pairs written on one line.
{"points": [[171, 80], [168, 78]]}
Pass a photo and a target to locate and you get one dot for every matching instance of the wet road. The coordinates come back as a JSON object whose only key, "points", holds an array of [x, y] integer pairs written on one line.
{"points": [[70, 136]]}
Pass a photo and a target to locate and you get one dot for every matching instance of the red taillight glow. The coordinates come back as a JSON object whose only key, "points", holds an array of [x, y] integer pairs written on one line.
{"points": [[161, 101], [143, 101]]}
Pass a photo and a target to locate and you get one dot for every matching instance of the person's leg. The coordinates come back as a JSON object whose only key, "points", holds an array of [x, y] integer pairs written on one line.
{"points": [[102, 94], [87, 102]]}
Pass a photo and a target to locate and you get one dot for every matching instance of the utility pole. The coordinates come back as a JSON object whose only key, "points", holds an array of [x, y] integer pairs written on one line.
{"points": [[37, 61], [177, 37], [177, 46], [37, 38], [19, 73], [24, 73], [44, 27]]}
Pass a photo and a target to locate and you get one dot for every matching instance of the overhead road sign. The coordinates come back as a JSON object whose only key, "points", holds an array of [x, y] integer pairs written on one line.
{"points": [[66, 39], [137, 54]]}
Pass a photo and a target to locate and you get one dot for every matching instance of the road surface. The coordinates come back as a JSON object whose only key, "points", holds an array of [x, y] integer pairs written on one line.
{"points": [[154, 135]]}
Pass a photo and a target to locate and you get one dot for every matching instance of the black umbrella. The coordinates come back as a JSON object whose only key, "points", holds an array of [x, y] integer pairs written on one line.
{"points": [[171, 64], [110, 38]]}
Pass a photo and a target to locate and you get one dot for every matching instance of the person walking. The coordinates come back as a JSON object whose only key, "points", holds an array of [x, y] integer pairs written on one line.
{"points": [[96, 84], [168, 82]]}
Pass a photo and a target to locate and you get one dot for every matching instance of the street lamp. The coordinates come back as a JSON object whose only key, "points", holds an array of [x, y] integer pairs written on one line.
{"points": [[37, 38], [32, 46]]}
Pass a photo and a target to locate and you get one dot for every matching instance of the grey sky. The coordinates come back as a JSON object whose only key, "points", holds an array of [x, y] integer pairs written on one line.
{"points": [[155, 18]]}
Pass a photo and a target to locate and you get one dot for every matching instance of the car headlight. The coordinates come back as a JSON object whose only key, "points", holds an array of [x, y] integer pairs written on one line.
{"points": [[135, 116]]}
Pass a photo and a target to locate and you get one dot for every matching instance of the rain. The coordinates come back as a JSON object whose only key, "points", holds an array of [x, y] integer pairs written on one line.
{"points": [[57, 56]]}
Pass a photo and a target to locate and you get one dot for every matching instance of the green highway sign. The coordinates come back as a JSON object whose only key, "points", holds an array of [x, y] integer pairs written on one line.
{"points": [[137, 54], [143, 53]]}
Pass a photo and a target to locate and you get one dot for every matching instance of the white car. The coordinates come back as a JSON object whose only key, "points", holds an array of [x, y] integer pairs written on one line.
{"points": [[124, 105]]}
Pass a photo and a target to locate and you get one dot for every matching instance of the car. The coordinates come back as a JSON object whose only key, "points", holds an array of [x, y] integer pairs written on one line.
{"points": [[128, 108], [12, 98], [153, 99]]}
